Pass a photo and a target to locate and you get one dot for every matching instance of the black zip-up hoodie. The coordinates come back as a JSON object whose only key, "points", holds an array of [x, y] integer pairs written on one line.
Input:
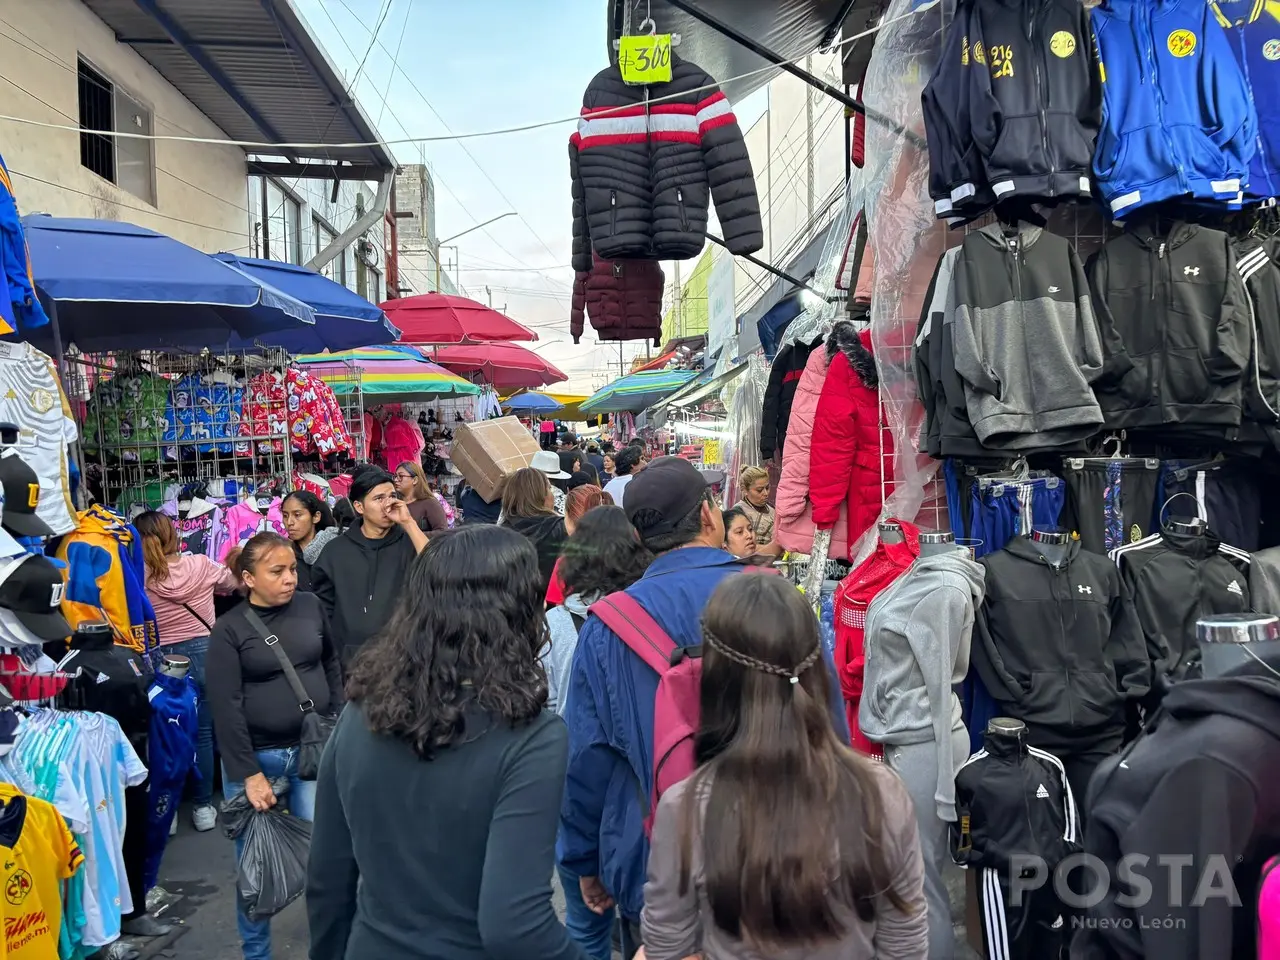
{"points": [[1016, 101], [1059, 646], [1174, 314], [784, 377], [358, 582], [1200, 781]]}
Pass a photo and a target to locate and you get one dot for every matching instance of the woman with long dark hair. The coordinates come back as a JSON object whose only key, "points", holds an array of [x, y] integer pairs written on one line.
{"points": [[439, 794], [309, 523], [528, 502], [783, 843], [413, 489], [181, 588]]}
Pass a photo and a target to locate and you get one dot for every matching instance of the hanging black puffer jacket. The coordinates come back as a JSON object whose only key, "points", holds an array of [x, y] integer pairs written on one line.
{"points": [[644, 173]]}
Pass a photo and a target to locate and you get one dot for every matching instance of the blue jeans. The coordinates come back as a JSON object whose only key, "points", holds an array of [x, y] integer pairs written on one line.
{"points": [[195, 650], [588, 929], [255, 935]]}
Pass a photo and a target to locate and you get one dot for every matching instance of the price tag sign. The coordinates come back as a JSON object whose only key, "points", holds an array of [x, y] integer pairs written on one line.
{"points": [[645, 59]]}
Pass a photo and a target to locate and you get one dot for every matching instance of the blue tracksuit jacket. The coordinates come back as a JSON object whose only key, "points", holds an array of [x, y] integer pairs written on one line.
{"points": [[1253, 30], [1177, 115], [610, 718]]}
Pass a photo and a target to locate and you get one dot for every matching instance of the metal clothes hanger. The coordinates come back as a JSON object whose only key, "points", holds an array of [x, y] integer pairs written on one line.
{"points": [[647, 25], [1196, 526]]}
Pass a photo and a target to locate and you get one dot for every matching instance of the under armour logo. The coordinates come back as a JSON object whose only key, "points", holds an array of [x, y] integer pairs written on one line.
{"points": [[1234, 587], [1042, 793], [1084, 589], [1191, 271]]}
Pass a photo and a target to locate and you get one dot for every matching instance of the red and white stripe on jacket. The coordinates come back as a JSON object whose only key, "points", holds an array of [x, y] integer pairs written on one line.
{"points": [[667, 122]]}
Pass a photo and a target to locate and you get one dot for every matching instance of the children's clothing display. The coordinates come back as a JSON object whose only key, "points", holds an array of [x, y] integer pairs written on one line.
{"points": [[247, 518], [201, 525]]}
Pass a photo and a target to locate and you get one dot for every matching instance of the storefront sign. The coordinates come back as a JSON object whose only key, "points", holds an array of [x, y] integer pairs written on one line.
{"points": [[720, 297]]}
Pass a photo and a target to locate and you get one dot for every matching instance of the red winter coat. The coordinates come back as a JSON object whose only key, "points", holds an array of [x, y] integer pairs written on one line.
{"points": [[623, 299], [846, 463]]}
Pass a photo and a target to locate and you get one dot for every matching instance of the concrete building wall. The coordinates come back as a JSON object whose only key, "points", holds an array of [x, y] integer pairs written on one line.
{"points": [[199, 189], [308, 207], [420, 268]]}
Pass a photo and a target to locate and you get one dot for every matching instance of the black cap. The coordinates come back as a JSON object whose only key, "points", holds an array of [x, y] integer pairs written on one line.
{"points": [[21, 497], [664, 493], [31, 587]]}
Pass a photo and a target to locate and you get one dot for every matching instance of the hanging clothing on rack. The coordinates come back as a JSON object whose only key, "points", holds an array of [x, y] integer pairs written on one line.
{"points": [[248, 517], [20, 308], [31, 398], [1111, 500], [106, 577]]}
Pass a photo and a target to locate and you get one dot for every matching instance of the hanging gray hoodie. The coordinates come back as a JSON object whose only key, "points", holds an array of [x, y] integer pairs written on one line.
{"points": [[917, 647], [557, 657]]}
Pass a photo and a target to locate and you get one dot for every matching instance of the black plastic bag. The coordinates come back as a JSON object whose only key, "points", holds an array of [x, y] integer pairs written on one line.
{"points": [[272, 870]]}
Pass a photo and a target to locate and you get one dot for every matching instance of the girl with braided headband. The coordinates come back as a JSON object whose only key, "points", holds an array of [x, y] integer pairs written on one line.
{"points": [[784, 842]]}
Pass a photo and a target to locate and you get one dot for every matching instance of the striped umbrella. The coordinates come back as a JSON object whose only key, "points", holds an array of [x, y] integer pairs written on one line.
{"points": [[387, 375], [636, 392]]}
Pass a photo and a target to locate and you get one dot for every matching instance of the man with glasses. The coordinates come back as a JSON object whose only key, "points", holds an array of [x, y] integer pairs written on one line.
{"points": [[360, 575]]}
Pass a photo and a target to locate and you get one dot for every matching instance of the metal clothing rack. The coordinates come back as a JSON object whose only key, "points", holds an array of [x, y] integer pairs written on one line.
{"points": [[144, 429]]}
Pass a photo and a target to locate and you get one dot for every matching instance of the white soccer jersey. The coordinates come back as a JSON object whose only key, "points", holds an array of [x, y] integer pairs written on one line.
{"points": [[31, 397]]}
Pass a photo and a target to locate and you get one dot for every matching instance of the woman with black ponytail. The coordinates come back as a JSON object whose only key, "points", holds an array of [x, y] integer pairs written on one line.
{"points": [[783, 843]]}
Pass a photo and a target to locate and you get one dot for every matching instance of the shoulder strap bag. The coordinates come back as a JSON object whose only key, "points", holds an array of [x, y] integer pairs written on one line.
{"points": [[316, 728]]}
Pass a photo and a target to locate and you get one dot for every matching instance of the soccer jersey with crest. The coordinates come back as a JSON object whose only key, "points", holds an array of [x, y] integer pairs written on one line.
{"points": [[38, 853], [32, 399]]}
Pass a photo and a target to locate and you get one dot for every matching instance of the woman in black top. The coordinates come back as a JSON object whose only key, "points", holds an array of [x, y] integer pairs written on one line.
{"points": [[309, 523], [255, 713], [528, 502], [439, 795]]}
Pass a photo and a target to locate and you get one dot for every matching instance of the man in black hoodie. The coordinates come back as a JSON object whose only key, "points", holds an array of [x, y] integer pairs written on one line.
{"points": [[359, 576]]}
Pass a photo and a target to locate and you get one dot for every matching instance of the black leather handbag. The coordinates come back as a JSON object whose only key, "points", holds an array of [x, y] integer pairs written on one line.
{"points": [[316, 728]]}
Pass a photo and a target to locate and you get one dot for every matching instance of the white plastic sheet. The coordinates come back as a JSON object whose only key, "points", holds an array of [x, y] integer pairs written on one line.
{"points": [[740, 446], [904, 238]]}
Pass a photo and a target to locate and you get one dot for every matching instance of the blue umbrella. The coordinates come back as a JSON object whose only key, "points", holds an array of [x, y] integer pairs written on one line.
{"points": [[532, 402], [344, 320], [117, 286]]}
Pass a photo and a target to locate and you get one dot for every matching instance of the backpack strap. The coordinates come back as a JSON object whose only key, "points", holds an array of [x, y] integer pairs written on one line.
{"points": [[634, 627]]}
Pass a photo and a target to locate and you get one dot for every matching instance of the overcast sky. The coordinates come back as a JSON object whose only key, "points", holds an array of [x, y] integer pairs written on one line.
{"points": [[442, 67]]}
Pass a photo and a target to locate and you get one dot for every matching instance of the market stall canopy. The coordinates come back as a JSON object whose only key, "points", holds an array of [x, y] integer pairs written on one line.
{"points": [[636, 392], [386, 376], [571, 402], [117, 286], [441, 318], [344, 319], [505, 365], [790, 28], [531, 402]]}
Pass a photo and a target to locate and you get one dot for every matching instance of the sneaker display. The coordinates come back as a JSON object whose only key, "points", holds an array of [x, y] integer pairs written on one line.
{"points": [[205, 818]]}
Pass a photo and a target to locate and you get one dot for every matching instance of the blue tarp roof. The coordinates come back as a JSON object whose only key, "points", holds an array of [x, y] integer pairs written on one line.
{"points": [[118, 286], [344, 320]]}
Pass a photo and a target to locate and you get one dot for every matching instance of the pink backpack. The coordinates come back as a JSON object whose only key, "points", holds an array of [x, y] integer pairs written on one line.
{"points": [[677, 707], [1269, 911]]}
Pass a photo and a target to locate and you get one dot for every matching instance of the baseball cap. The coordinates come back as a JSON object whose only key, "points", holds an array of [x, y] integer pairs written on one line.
{"points": [[664, 493], [31, 588], [21, 497]]}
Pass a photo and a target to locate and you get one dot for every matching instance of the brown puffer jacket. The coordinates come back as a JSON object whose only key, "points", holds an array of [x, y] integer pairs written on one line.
{"points": [[623, 299]]}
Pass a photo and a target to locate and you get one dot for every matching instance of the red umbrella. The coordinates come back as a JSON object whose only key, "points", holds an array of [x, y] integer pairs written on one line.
{"points": [[505, 365], [440, 318]]}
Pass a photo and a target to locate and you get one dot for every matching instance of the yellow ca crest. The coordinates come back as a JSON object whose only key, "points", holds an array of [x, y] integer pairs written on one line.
{"points": [[1182, 43], [979, 52], [1135, 533], [1063, 44]]}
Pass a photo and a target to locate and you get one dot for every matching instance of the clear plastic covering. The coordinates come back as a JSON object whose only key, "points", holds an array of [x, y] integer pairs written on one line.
{"points": [[740, 445], [905, 240]]}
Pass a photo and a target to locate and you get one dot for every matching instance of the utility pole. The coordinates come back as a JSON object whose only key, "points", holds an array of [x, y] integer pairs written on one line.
{"points": [[621, 372]]}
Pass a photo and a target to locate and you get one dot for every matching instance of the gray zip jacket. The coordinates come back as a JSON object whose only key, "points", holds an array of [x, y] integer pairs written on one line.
{"points": [[1026, 339], [917, 648], [557, 656]]}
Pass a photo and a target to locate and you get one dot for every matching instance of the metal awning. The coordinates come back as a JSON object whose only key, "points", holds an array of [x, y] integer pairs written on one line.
{"points": [[789, 28], [251, 67]]}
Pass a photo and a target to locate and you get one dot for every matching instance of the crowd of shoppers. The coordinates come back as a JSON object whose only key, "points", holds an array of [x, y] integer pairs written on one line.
{"points": [[494, 731]]}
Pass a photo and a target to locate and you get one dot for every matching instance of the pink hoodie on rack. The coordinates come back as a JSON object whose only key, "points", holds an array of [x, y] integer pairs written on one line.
{"points": [[794, 527]]}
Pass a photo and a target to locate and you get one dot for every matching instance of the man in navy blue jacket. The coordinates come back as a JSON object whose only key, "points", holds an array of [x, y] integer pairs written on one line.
{"points": [[611, 690]]}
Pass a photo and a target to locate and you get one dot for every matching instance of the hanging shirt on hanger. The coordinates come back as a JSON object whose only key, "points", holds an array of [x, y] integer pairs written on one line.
{"points": [[243, 521], [31, 397], [40, 853]]}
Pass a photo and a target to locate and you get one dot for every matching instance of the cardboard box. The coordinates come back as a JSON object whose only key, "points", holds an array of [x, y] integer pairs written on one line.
{"points": [[489, 452]]}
